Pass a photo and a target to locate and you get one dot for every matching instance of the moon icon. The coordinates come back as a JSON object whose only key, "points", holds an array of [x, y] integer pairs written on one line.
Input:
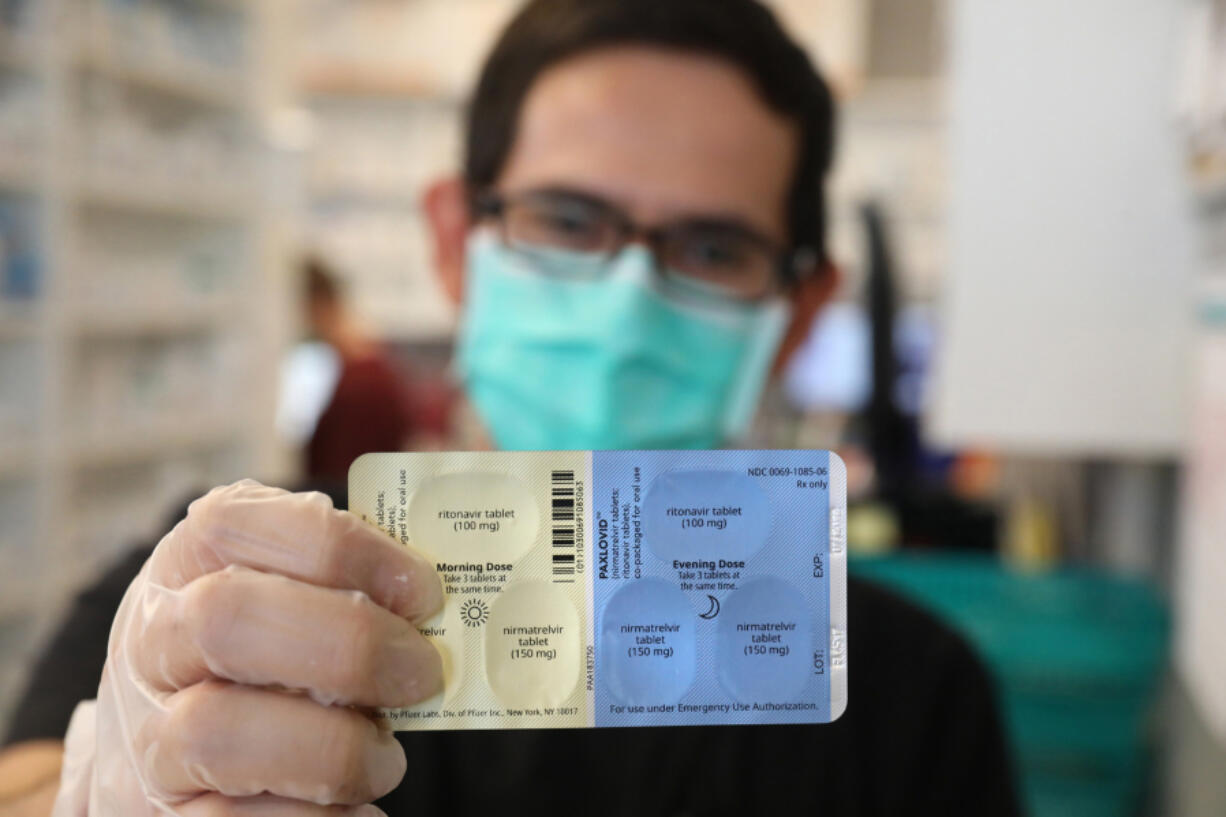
{"points": [[713, 611]]}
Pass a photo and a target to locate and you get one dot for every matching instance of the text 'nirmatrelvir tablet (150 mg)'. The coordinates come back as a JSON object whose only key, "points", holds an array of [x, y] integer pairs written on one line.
{"points": [[624, 588]]}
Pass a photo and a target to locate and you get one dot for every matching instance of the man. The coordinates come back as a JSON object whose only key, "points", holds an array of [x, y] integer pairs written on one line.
{"points": [[637, 242]]}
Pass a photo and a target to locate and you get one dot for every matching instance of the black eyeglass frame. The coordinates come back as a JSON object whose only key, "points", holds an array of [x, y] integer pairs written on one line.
{"points": [[792, 266]]}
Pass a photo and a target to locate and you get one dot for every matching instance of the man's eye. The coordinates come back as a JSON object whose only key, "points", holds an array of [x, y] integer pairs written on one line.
{"points": [[567, 224], [713, 254], [566, 228]]}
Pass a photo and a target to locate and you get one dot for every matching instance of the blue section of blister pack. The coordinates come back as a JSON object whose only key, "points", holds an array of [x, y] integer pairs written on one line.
{"points": [[711, 587]]}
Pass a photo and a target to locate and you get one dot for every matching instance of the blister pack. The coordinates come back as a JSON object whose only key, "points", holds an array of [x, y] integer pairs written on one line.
{"points": [[624, 588]]}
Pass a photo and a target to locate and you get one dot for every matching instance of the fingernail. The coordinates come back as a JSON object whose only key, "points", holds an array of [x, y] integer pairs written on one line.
{"points": [[413, 591], [368, 811], [387, 764], [424, 589], [433, 596], [413, 670]]}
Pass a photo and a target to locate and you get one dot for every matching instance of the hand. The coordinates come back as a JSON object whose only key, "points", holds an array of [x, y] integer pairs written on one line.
{"points": [[238, 659]]}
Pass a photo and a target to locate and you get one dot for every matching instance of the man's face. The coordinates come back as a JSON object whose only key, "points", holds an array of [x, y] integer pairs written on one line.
{"points": [[666, 136]]}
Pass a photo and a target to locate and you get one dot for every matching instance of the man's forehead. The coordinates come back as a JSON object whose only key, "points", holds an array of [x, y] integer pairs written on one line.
{"points": [[663, 132]]}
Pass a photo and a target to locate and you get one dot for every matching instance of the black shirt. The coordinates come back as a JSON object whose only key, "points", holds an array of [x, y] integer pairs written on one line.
{"points": [[921, 735]]}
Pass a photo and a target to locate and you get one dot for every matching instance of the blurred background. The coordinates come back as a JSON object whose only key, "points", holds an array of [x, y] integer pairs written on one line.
{"points": [[1025, 369]]}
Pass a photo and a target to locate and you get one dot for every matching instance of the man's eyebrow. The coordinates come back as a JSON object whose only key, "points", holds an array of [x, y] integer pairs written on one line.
{"points": [[720, 223], [713, 221], [570, 193], [726, 225]]}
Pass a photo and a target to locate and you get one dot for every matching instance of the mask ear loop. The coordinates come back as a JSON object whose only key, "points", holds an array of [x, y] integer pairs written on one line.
{"points": [[766, 337], [766, 334]]}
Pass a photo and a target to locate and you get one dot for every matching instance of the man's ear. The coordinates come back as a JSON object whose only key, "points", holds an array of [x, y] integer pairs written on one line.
{"points": [[808, 298], [445, 204]]}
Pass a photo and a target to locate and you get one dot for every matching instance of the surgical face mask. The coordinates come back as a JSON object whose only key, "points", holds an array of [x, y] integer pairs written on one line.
{"points": [[558, 361]]}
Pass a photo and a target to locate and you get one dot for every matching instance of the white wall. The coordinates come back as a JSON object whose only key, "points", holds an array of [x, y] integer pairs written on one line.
{"points": [[1067, 316]]}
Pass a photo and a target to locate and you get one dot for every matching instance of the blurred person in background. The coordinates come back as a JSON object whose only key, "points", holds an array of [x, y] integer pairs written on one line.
{"points": [[371, 407], [637, 244]]}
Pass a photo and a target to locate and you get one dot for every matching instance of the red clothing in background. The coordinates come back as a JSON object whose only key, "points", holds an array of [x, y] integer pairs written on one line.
{"points": [[370, 411]]}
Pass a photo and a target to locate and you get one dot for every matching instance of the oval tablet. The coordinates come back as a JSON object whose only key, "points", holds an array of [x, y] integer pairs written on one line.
{"points": [[648, 639], [765, 641], [473, 517], [532, 656], [690, 515]]}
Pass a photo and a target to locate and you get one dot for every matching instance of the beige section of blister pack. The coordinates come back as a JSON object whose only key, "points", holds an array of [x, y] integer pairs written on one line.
{"points": [[507, 534]]}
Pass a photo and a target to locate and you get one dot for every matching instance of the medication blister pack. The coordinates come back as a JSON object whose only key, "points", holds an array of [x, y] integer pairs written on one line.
{"points": [[624, 588]]}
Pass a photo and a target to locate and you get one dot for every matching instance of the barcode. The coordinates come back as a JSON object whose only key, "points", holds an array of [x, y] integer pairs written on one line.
{"points": [[562, 499]]}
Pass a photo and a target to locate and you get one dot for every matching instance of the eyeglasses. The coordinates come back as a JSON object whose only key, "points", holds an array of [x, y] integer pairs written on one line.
{"points": [[699, 258]]}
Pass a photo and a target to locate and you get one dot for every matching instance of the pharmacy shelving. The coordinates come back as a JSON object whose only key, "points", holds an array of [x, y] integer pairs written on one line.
{"points": [[17, 51], [379, 141], [16, 176], [166, 320], [362, 193], [182, 80], [19, 321], [17, 459], [154, 200], [136, 224], [152, 441], [372, 83], [385, 86]]}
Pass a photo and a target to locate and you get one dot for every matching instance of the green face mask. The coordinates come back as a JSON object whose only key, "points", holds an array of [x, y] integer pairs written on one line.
{"points": [[556, 361]]}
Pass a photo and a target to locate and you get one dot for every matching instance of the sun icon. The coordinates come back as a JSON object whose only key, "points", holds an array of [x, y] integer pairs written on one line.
{"points": [[474, 612]]}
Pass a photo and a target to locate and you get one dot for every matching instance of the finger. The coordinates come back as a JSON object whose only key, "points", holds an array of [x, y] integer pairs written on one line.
{"points": [[241, 742], [255, 628], [217, 805], [300, 536]]}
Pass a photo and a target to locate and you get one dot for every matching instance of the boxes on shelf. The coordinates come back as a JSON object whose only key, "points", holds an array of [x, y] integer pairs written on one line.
{"points": [[126, 269], [130, 138], [20, 254], [190, 34]]}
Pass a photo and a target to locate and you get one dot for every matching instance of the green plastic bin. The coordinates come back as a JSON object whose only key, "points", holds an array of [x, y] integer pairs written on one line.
{"points": [[1079, 657]]}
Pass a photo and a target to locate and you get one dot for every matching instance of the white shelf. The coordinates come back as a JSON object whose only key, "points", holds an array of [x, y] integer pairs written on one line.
{"points": [[151, 442], [401, 197], [17, 50], [169, 319], [18, 174], [17, 458], [18, 321], [158, 199], [345, 81], [227, 5], [181, 80]]}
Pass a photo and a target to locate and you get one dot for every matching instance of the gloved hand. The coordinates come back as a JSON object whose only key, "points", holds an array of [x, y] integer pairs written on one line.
{"points": [[237, 659]]}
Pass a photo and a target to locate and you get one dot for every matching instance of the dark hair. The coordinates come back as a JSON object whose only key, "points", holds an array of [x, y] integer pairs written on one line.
{"points": [[743, 32], [319, 282]]}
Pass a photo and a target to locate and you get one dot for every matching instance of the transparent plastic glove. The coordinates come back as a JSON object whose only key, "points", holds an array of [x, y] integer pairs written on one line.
{"points": [[240, 658]]}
